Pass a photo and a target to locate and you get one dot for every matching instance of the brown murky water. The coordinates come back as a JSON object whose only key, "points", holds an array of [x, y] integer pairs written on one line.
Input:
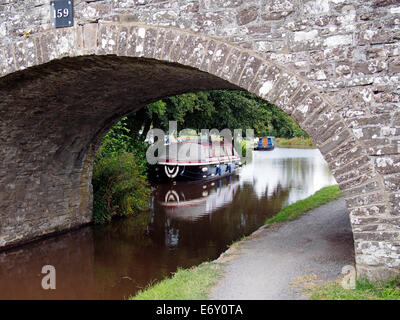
{"points": [[188, 223]]}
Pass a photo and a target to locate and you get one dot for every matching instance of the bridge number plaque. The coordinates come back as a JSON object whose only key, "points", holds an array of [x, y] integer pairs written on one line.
{"points": [[62, 13]]}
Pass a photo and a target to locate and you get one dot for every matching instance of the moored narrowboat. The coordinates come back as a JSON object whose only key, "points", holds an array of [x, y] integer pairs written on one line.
{"points": [[192, 161], [265, 144]]}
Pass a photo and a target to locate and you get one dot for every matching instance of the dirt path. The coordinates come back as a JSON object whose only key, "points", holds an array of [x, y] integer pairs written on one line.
{"points": [[276, 261]]}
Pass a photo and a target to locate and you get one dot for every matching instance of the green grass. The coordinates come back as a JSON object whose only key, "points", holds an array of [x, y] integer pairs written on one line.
{"points": [[301, 143], [365, 290], [296, 209], [241, 239], [185, 284]]}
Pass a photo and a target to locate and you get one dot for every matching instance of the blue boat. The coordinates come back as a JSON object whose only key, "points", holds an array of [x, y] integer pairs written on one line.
{"points": [[265, 144]]}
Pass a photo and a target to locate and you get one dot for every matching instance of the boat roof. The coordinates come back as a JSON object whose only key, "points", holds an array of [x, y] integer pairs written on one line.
{"points": [[194, 151]]}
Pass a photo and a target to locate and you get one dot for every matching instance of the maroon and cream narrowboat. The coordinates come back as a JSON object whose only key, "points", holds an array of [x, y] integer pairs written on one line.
{"points": [[192, 161]]}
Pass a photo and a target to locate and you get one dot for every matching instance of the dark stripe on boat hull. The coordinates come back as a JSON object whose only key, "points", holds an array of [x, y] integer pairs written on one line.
{"points": [[268, 148], [163, 173]]}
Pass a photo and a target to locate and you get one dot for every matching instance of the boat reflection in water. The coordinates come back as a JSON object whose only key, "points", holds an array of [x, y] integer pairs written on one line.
{"points": [[192, 200]]}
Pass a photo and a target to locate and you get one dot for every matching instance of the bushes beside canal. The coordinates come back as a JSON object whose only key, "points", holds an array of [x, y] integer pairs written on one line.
{"points": [[246, 146], [297, 142], [120, 185]]}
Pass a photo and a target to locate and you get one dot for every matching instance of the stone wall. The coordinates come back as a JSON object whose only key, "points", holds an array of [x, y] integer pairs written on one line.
{"points": [[334, 65]]}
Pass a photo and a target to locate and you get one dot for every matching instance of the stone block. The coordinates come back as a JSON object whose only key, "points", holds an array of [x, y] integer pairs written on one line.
{"points": [[90, 38], [366, 211], [122, 41], [265, 80], [284, 97], [219, 58], [107, 39], [206, 63], [277, 10], [158, 51], [306, 107], [199, 52], [388, 164], [247, 15], [242, 61], [335, 142], [250, 70]]}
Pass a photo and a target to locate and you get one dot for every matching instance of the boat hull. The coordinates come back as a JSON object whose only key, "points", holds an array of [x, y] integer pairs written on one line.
{"points": [[164, 173], [267, 148]]}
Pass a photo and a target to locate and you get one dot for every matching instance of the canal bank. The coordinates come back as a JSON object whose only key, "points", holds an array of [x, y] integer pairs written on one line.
{"points": [[277, 262]]}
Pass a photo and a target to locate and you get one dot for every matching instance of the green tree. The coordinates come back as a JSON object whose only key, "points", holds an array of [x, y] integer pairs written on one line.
{"points": [[215, 109]]}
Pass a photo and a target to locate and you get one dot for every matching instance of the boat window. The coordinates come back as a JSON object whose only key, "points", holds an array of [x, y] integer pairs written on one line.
{"points": [[210, 151], [220, 151], [217, 151], [228, 150], [191, 152], [204, 152]]}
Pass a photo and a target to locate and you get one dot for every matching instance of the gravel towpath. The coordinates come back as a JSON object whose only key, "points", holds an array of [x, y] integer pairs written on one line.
{"points": [[277, 262]]}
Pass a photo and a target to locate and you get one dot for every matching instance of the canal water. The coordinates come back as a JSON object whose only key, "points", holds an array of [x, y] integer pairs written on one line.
{"points": [[188, 223]]}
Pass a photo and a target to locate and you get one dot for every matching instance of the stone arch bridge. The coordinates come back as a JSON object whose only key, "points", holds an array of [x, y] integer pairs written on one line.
{"points": [[333, 65]]}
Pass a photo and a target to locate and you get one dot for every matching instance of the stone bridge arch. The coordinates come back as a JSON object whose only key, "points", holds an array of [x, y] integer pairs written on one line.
{"points": [[49, 132]]}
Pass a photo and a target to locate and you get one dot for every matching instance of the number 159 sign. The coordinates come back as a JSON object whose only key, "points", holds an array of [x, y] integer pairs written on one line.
{"points": [[61, 13]]}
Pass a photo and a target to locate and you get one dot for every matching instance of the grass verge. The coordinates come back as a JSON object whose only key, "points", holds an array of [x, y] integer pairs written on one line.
{"points": [[185, 284], [365, 290], [301, 143], [296, 209]]}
